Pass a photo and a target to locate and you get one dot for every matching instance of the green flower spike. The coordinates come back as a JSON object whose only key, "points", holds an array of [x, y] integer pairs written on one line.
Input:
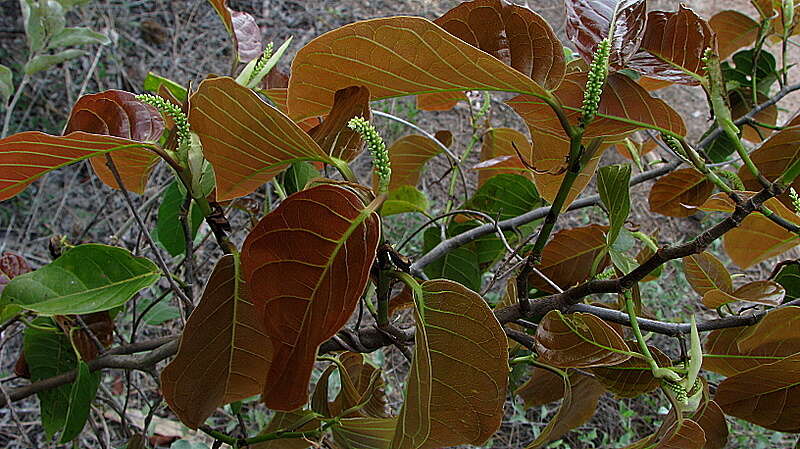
{"points": [[598, 72], [262, 61], [377, 149], [795, 200], [174, 112]]}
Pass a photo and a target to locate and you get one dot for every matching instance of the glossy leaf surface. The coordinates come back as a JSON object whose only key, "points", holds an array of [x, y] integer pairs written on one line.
{"points": [[224, 353], [329, 258], [590, 21], [242, 28], [705, 272], [578, 340], [88, 278]]}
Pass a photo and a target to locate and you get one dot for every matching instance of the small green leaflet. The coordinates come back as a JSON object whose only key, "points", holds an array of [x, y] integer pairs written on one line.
{"points": [[296, 177], [84, 389], [169, 230], [612, 185], [405, 199], [505, 196], [86, 279], [153, 82]]}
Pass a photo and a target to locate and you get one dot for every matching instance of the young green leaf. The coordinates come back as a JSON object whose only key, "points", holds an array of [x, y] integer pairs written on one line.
{"points": [[460, 264], [84, 389], [612, 185], [44, 62], [6, 84], [169, 230], [87, 278], [72, 37], [405, 199], [505, 196]]}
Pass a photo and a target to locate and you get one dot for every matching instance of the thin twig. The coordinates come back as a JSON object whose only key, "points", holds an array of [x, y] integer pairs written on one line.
{"points": [[159, 258]]}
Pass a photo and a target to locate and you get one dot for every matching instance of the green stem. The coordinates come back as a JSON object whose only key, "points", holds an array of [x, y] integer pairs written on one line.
{"points": [[637, 332]]}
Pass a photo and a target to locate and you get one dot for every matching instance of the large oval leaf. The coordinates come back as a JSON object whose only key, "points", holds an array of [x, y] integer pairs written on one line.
{"points": [[624, 107], [725, 355], [246, 140], [329, 259], [26, 156], [513, 34], [768, 395], [457, 384], [705, 272], [408, 155], [224, 353], [119, 113], [578, 340], [568, 258], [88, 278], [672, 193], [581, 394], [673, 46], [393, 57], [734, 30]]}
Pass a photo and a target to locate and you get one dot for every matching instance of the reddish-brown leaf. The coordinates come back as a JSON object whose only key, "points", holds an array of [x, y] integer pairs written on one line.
{"points": [[581, 394], [741, 104], [711, 419], [779, 326], [543, 387], [246, 140], [119, 113], [393, 57], [362, 385], [705, 272], [761, 292], [724, 355], [768, 395], [513, 34], [498, 147], [632, 377], [408, 155], [329, 259], [578, 340], [11, 266], [99, 323], [549, 156], [673, 46], [298, 420], [568, 258], [457, 383], [441, 101], [26, 156], [684, 187], [589, 22], [772, 158], [333, 135], [242, 29], [624, 107], [734, 31], [224, 352]]}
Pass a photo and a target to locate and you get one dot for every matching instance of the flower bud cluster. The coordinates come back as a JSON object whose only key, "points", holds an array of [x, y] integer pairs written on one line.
{"points": [[174, 112], [377, 149], [598, 72]]}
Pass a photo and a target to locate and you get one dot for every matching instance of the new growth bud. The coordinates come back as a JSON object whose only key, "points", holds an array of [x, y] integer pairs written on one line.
{"points": [[377, 149], [598, 72]]}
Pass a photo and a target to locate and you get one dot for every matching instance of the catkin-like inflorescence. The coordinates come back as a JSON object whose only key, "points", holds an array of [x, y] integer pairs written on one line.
{"points": [[733, 179], [598, 72], [262, 61], [174, 112], [377, 149], [795, 200]]}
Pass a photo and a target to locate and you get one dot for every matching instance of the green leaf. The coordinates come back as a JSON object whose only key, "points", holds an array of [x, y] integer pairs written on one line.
{"points": [[6, 84], [459, 264], [34, 30], [789, 278], [71, 37], [505, 196], [49, 353], [153, 82], [244, 77], [296, 177], [169, 230], [742, 70], [612, 184], [84, 389], [405, 199], [44, 62], [88, 278], [158, 314]]}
